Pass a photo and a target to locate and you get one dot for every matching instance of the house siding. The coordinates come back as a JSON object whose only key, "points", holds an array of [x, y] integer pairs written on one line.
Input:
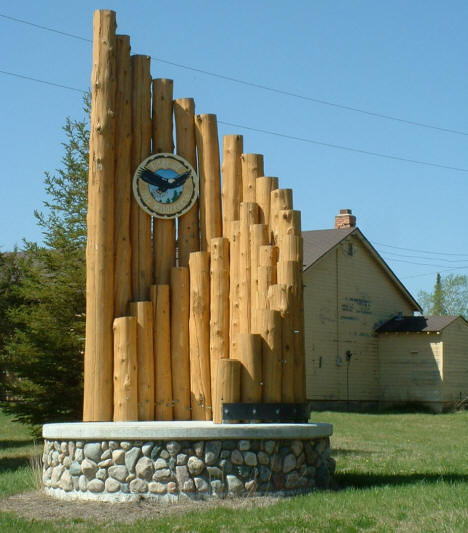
{"points": [[455, 364], [347, 294]]}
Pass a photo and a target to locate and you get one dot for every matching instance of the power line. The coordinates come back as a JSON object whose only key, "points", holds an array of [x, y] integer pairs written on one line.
{"points": [[268, 132], [259, 85], [430, 273], [341, 147], [421, 264], [424, 257], [420, 251]]}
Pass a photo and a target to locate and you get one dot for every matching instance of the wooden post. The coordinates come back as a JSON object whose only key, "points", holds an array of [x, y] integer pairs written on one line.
{"points": [[123, 179], [268, 325], [264, 185], [232, 180], [280, 298], [125, 369], [164, 230], [250, 345], [162, 352], [219, 303], [280, 199], [199, 327], [290, 248], [188, 237], [227, 386], [248, 216], [143, 311], [267, 257], [206, 129], [252, 168], [180, 295], [289, 222], [258, 237], [98, 396], [140, 222], [234, 287]]}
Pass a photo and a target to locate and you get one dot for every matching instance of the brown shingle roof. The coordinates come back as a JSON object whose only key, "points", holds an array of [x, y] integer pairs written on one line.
{"points": [[412, 324], [318, 242]]}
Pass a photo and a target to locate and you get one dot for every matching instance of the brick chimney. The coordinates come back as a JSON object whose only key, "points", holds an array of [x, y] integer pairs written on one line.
{"points": [[345, 219]]}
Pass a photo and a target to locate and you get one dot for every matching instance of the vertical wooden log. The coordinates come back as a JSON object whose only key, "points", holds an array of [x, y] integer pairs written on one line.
{"points": [[268, 325], [280, 199], [123, 179], [281, 298], [180, 359], [206, 129], [248, 216], [252, 168], [188, 237], [143, 311], [140, 222], [232, 180], [125, 369], [98, 396], [267, 257], [164, 231], [264, 186], [289, 222], [160, 296], [258, 237], [250, 345], [219, 303], [199, 327], [234, 288], [290, 248], [227, 386]]}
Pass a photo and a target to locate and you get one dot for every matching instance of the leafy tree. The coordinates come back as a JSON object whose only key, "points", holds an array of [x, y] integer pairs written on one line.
{"points": [[44, 352], [449, 297]]}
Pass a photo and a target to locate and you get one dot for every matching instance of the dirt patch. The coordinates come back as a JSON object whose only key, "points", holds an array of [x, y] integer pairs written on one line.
{"points": [[37, 505]]}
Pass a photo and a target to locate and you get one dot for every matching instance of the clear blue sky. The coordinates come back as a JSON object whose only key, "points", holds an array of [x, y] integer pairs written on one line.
{"points": [[399, 58]]}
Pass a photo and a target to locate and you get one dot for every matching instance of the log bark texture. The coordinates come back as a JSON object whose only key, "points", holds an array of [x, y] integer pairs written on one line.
{"points": [[252, 168], [227, 386], [264, 186], [232, 180], [250, 346], [280, 199], [234, 287]]}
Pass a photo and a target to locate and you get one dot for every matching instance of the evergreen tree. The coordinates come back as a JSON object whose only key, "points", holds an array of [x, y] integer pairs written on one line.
{"points": [[44, 353], [450, 296]]}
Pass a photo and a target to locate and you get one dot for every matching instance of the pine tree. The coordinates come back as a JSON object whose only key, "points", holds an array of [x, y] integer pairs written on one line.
{"points": [[44, 354], [450, 296]]}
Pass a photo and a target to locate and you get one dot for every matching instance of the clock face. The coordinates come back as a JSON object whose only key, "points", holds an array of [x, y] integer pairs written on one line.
{"points": [[165, 185]]}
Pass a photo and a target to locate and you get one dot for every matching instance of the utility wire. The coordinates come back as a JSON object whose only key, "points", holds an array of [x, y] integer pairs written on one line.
{"points": [[420, 251], [420, 264], [431, 273], [423, 257], [259, 85], [274, 133]]}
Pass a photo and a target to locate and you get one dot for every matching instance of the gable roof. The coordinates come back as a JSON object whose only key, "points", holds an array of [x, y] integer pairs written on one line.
{"points": [[319, 243], [414, 324]]}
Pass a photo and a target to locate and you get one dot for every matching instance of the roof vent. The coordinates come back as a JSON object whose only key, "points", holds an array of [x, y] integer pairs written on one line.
{"points": [[345, 219]]}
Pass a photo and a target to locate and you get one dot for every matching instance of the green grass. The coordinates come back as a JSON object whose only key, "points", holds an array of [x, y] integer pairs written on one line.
{"points": [[397, 472]]}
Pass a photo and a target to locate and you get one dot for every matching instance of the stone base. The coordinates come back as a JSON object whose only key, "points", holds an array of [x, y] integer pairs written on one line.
{"points": [[170, 461]]}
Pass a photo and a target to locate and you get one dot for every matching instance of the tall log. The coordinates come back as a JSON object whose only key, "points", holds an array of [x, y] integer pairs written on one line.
{"points": [[188, 226], [268, 325], [125, 369], [143, 311], [289, 222], [123, 179], [258, 237], [248, 216], [252, 168], [227, 386], [140, 222], [219, 303], [160, 296], [267, 257], [250, 345], [234, 287], [232, 180], [281, 298], [180, 359], [280, 199], [199, 327], [98, 396], [264, 186], [206, 129], [290, 248]]}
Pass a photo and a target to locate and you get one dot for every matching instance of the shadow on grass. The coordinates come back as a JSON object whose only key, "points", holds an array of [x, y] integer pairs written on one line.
{"points": [[15, 443], [10, 464], [360, 481], [346, 451]]}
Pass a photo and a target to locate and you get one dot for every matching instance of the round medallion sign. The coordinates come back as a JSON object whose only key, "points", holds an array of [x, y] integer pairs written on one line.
{"points": [[165, 185]]}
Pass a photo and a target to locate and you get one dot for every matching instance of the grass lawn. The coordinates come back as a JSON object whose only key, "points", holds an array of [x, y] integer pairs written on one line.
{"points": [[397, 472]]}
